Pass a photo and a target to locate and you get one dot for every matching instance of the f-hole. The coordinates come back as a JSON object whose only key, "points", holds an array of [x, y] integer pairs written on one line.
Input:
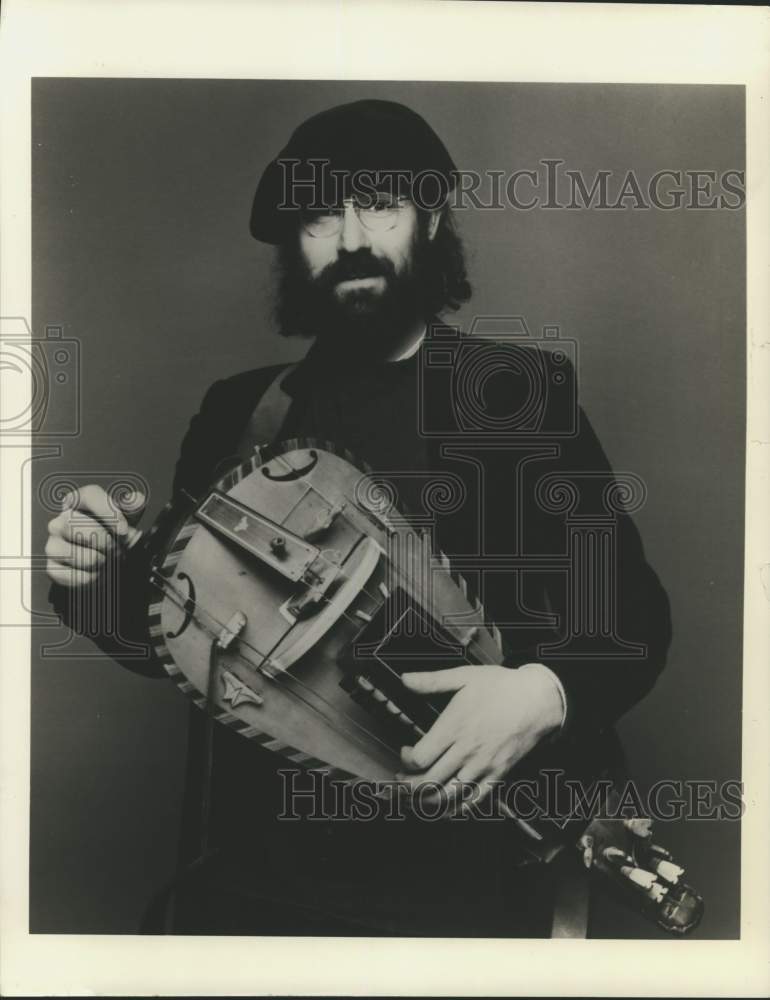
{"points": [[189, 606], [292, 474]]}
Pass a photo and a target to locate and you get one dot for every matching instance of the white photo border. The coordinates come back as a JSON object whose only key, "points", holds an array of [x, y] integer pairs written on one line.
{"points": [[267, 39]]}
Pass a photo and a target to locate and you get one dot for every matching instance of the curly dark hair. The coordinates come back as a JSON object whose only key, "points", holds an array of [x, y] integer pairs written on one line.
{"points": [[440, 283], [447, 284]]}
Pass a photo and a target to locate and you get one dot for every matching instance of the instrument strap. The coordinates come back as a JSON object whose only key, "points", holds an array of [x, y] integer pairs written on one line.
{"points": [[263, 428], [269, 415], [571, 903]]}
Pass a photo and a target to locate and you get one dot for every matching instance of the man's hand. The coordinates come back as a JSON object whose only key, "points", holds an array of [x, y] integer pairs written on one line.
{"points": [[496, 717], [81, 538]]}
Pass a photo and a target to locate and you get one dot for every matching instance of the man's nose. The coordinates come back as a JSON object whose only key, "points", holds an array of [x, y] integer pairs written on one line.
{"points": [[353, 235]]}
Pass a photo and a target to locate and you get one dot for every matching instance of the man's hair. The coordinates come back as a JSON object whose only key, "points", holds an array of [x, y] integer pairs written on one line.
{"points": [[443, 277], [447, 284]]}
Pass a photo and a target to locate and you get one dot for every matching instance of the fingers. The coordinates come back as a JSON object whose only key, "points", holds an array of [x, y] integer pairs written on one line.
{"points": [[90, 516], [84, 533], [82, 530], [445, 768], [59, 550], [115, 510], [475, 740], [456, 783], [437, 681], [435, 742], [94, 500], [66, 576]]}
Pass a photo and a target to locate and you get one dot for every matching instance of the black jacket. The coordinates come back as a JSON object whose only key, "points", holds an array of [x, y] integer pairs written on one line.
{"points": [[546, 487]]}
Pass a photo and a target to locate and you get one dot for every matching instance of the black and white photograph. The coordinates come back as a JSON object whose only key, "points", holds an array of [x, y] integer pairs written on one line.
{"points": [[383, 484]]}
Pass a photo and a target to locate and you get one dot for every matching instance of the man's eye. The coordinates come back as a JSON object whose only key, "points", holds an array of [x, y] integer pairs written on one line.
{"points": [[320, 214], [381, 205]]}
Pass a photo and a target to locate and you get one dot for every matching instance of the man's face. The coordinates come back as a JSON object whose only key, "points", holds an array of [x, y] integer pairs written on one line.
{"points": [[356, 255], [355, 275]]}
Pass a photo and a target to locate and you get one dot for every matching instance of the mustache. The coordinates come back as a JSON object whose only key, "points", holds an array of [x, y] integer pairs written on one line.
{"points": [[359, 264]]}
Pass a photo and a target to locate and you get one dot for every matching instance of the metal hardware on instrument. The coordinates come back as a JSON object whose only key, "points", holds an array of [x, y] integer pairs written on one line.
{"points": [[232, 630], [257, 535]]}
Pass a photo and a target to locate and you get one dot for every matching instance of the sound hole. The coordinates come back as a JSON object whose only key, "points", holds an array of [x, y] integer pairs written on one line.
{"points": [[291, 474], [189, 606]]}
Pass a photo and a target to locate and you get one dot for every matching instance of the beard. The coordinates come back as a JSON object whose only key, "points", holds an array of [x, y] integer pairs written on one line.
{"points": [[364, 321]]}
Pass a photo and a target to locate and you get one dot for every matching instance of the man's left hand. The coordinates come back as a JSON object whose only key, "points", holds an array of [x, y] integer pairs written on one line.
{"points": [[495, 718]]}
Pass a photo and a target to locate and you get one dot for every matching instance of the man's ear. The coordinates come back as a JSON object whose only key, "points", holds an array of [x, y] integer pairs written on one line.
{"points": [[434, 218]]}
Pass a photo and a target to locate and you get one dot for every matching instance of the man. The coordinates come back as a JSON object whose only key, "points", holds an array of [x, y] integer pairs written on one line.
{"points": [[356, 205]]}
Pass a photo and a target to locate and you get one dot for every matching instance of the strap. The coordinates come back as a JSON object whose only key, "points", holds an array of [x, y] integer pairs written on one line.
{"points": [[570, 914], [263, 427], [268, 417]]}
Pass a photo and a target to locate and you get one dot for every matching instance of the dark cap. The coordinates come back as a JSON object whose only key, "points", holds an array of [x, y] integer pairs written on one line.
{"points": [[347, 145]]}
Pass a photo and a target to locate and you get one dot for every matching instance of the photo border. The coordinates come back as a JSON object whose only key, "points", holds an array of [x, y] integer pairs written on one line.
{"points": [[469, 41]]}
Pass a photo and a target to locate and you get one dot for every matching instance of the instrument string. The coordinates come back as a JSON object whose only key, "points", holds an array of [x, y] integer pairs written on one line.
{"points": [[279, 680]]}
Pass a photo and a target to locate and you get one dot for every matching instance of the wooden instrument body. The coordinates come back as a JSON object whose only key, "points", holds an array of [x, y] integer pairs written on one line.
{"points": [[317, 682]]}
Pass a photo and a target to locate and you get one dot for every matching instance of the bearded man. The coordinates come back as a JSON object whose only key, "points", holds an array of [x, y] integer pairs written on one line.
{"points": [[369, 258]]}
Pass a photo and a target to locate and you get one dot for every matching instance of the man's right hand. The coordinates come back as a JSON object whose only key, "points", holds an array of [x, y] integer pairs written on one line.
{"points": [[85, 534]]}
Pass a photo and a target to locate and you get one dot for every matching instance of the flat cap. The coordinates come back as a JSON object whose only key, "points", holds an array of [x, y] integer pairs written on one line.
{"points": [[336, 148]]}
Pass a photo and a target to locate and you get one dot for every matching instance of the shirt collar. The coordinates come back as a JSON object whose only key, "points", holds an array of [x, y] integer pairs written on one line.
{"points": [[413, 348]]}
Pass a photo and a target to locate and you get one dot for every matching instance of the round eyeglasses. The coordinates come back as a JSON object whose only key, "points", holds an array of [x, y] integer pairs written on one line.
{"points": [[378, 215]]}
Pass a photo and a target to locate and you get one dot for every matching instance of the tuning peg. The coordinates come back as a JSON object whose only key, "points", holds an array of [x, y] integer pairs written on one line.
{"points": [[657, 892], [669, 871], [639, 826], [639, 876], [586, 844], [615, 856]]}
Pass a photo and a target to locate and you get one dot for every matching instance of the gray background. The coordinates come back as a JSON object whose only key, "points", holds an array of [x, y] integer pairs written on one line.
{"points": [[141, 194]]}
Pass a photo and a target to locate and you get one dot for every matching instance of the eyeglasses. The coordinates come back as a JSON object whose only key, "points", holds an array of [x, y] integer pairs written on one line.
{"points": [[378, 215]]}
